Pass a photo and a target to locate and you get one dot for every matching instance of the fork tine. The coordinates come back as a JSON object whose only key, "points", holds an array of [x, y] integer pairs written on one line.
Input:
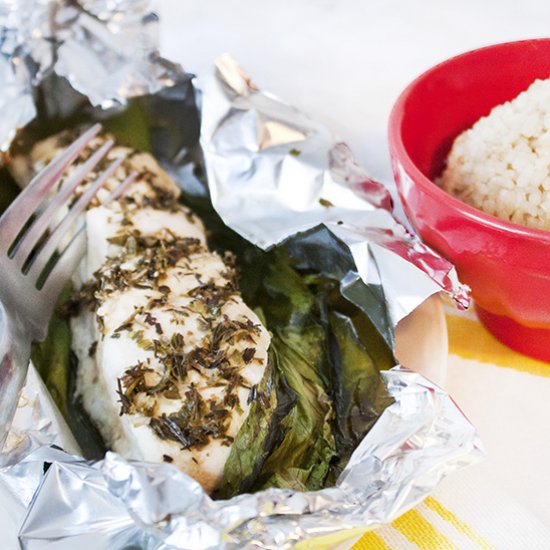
{"points": [[121, 189], [46, 252], [40, 225], [27, 202]]}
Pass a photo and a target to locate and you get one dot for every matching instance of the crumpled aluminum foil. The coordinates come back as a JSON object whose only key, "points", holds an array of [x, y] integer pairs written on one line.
{"points": [[273, 173], [107, 50], [116, 503], [287, 174]]}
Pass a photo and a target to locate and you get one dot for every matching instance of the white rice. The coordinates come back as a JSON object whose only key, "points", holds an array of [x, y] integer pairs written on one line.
{"points": [[502, 164]]}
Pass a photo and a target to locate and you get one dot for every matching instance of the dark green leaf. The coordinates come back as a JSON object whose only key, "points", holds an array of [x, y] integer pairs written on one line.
{"points": [[51, 357], [302, 460], [130, 126], [260, 433], [360, 395], [320, 250]]}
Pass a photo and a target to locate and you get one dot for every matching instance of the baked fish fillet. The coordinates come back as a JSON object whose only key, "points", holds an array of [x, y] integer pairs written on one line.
{"points": [[168, 352]]}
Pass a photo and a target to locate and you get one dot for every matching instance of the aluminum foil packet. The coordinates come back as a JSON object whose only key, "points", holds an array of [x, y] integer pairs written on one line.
{"points": [[106, 50], [273, 173]]}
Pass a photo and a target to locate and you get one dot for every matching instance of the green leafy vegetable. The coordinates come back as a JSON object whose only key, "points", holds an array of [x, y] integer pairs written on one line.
{"points": [[361, 394], [302, 460], [130, 126], [301, 457], [271, 402], [338, 388], [51, 357]]}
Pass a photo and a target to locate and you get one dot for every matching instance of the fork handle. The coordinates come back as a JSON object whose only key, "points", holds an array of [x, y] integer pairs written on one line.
{"points": [[14, 362]]}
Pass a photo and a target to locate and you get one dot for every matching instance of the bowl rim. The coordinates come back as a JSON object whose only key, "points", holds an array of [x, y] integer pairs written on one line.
{"points": [[399, 153]]}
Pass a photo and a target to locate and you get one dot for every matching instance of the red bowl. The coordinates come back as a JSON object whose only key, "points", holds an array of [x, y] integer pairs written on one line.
{"points": [[506, 265]]}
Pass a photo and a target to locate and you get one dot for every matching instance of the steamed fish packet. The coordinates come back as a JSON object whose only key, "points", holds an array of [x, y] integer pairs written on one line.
{"points": [[324, 298], [168, 353], [173, 366]]}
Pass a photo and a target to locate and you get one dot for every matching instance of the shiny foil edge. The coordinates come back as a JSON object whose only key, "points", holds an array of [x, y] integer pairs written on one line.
{"points": [[273, 173], [419, 439]]}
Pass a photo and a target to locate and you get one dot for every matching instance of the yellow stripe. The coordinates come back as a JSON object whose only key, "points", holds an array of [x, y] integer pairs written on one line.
{"points": [[458, 524], [326, 542], [421, 532], [470, 340], [370, 541]]}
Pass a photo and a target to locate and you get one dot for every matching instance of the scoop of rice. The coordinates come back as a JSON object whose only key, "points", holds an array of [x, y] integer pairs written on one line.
{"points": [[502, 164]]}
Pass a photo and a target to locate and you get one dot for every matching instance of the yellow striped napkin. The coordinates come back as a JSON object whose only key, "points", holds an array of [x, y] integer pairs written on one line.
{"points": [[430, 525], [503, 503]]}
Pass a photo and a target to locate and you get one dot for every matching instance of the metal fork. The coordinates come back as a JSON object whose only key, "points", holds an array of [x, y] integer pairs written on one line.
{"points": [[34, 265]]}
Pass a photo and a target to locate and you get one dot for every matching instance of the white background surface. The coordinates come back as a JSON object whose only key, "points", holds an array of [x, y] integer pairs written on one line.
{"points": [[344, 62]]}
